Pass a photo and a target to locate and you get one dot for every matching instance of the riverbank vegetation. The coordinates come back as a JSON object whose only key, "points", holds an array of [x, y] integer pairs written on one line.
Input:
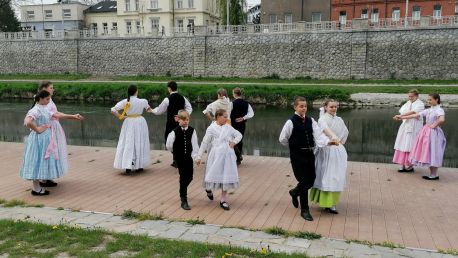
{"points": [[271, 79], [256, 94]]}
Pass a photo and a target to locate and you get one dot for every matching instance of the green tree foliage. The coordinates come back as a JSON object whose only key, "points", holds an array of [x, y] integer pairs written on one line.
{"points": [[237, 15], [8, 20]]}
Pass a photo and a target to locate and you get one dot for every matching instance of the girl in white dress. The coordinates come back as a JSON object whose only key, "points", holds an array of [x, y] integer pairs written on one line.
{"points": [[408, 131], [133, 151], [331, 161], [221, 170]]}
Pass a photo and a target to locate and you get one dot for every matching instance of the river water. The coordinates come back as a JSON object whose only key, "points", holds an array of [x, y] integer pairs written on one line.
{"points": [[372, 131]]}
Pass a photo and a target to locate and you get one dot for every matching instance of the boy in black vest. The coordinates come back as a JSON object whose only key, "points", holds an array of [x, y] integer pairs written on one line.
{"points": [[171, 105], [302, 134], [182, 141], [241, 111]]}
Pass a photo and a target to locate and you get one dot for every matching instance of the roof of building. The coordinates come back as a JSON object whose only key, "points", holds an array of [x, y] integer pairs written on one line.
{"points": [[103, 7], [56, 3]]}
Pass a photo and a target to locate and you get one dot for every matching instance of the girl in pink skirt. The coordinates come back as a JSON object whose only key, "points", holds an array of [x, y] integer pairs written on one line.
{"points": [[429, 146]]}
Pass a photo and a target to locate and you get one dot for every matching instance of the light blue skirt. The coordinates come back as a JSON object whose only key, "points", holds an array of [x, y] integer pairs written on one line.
{"points": [[34, 164]]}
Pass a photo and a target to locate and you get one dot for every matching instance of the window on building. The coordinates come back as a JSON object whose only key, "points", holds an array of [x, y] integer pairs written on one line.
{"points": [[127, 5], [191, 3], [364, 14], [137, 5], [129, 27], [94, 26], [155, 24], [180, 25], [179, 4], [105, 28], [154, 4], [437, 11], [316, 17], [288, 18], [138, 26], [416, 13], [343, 17], [30, 15], [48, 14], [67, 13], [396, 14], [456, 8], [114, 26], [374, 15], [273, 18]]}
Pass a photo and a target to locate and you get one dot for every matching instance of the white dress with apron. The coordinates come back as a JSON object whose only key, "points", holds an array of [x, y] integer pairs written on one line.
{"points": [[221, 170], [331, 160], [133, 150]]}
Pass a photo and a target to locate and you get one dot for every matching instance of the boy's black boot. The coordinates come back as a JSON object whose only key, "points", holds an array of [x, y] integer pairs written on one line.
{"points": [[306, 215], [184, 204], [294, 197]]}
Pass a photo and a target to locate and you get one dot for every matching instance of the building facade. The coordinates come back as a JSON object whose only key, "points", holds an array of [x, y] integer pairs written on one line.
{"points": [[155, 16], [102, 18], [373, 10], [66, 15], [124, 17], [288, 11]]}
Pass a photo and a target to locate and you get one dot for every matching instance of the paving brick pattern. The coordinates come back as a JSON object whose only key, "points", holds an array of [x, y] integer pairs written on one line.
{"points": [[378, 204]]}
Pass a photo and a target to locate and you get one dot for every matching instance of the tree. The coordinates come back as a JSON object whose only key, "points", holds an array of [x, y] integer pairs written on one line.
{"points": [[237, 15], [8, 19]]}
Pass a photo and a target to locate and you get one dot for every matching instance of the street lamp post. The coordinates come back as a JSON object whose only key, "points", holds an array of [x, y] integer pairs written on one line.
{"points": [[62, 10], [42, 15], [227, 12], [407, 13]]}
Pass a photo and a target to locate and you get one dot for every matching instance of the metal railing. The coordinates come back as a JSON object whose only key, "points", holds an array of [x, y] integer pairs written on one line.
{"points": [[356, 24]]}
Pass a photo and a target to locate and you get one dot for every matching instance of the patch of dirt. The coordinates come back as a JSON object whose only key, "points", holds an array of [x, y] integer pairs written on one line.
{"points": [[120, 254], [63, 255], [102, 246], [45, 250]]}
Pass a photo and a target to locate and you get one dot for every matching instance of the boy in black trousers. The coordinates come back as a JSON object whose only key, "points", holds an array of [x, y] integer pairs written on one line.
{"points": [[302, 134], [182, 142]]}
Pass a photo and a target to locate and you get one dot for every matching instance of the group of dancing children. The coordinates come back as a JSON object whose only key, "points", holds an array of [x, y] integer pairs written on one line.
{"points": [[317, 152]]}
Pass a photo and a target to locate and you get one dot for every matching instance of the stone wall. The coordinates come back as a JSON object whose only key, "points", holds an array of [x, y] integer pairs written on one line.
{"points": [[409, 54]]}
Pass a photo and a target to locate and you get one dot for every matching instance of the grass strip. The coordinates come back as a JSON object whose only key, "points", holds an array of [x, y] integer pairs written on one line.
{"points": [[25, 239]]}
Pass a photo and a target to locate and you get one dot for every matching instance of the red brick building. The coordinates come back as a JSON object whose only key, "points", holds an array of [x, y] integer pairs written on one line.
{"points": [[395, 9]]}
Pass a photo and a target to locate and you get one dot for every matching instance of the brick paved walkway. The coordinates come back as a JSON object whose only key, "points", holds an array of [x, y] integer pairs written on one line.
{"points": [[378, 205]]}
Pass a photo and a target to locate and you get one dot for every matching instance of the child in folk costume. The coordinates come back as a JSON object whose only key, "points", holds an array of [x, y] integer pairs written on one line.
{"points": [[182, 142], [41, 157], [57, 131], [221, 170], [408, 131], [429, 146], [223, 102], [301, 134], [133, 150], [331, 161], [171, 105]]}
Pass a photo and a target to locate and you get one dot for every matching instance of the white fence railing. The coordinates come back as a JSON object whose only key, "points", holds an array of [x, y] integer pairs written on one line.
{"points": [[357, 24]]}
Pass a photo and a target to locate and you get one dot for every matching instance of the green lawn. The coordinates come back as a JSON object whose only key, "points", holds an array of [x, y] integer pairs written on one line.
{"points": [[24, 239], [44, 76], [258, 94], [269, 79]]}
